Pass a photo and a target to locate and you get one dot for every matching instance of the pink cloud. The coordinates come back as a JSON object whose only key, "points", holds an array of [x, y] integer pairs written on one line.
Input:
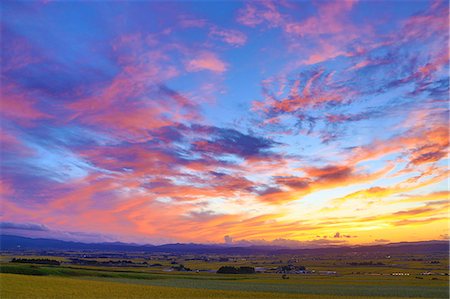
{"points": [[137, 100], [229, 36], [190, 22], [19, 105], [330, 19], [206, 61], [5, 189], [317, 91], [260, 12]]}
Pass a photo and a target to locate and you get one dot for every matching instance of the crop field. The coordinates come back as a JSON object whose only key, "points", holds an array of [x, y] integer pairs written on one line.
{"points": [[19, 286], [23, 280], [26, 286]]}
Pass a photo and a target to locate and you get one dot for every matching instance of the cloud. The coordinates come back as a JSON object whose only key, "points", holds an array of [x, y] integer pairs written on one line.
{"points": [[230, 141], [418, 221], [429, 153], [229, 36], [414, 212], [444, 236], [322, 92], [206, 61], [295, 183], [293, 244], [41, 231], [228, 239], [330, 173], [187, 21], [338, 235], [335, 118], [23, 226], [138, 89], [331, 20], [19, 105], [264, 12], [381, 241]]}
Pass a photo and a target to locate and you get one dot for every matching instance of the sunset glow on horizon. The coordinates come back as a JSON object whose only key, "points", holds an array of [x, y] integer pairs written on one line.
{"points": [[296, 123]]}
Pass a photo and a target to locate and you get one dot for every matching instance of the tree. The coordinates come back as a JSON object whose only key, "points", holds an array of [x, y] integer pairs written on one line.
{"points": [[227, 270], [234, 270], [246, 270]]}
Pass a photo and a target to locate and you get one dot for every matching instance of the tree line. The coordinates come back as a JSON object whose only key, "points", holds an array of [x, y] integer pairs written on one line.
{"points": [[36, 261], [236, 270]]}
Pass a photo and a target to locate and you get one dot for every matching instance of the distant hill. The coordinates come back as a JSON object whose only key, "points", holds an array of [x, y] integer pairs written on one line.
{"points": [[392, 248], [17, 243], [13, 243]]}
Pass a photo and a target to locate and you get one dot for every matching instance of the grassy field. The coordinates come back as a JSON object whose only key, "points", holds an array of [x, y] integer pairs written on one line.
{"points": [[22, 286], [40, 281]]}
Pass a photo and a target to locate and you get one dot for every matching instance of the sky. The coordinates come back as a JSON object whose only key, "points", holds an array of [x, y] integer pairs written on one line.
{"points": [[296, 123]]}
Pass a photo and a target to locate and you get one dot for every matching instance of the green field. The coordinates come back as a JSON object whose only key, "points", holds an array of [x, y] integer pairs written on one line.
{"points": [[41, 281]]}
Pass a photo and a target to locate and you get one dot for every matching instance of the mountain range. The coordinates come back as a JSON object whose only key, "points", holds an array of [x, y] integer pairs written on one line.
{"points": [[18, 243]]}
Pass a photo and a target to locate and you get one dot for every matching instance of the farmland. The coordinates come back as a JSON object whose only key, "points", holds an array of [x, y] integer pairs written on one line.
{"points": [[100, 275]]}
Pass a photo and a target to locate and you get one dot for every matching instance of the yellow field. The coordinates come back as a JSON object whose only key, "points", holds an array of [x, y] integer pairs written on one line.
{"points": [[23, 286]]}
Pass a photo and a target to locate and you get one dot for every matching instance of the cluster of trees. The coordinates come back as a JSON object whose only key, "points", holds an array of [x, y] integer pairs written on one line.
{"points": [[101, 263], [181, 267], [36, 261], [236, 270]]}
